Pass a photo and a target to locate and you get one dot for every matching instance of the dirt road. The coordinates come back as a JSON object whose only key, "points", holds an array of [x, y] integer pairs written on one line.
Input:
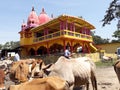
{"points": [[107, 79]]}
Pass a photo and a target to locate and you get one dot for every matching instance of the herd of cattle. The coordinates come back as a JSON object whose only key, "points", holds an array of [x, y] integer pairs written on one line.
{"points": [[64, 74]]}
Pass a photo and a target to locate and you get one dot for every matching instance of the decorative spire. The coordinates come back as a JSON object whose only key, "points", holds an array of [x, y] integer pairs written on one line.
{"points": [[43, 11], [33, 9], [51, 15], [23, 21]]}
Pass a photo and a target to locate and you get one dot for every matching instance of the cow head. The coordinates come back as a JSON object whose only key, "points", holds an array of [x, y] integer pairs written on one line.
{"points": [[5, 68], [19, 72], [5, 65], [36, 68]]}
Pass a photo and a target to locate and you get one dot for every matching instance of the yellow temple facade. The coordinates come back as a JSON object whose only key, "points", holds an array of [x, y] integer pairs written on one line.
{"points": [[48, 35]]}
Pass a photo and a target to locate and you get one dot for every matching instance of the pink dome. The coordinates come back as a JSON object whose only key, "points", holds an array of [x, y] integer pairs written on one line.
{"points": [[33, 19], [43, 17]]}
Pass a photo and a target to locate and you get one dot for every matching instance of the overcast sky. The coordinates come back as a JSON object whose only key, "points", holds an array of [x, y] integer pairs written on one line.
{"points": [[12, 14]]}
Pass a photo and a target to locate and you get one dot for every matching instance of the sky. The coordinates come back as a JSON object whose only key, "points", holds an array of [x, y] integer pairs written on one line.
{"points": [[13, 12]]}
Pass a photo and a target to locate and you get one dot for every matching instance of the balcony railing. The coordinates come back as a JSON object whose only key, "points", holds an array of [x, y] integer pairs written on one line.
{"points": [[63, 33]]}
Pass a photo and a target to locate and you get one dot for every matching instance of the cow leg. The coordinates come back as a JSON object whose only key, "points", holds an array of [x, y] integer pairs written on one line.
{"points": [[79, 88], [87, 86], [94, 82], [118, 74]]}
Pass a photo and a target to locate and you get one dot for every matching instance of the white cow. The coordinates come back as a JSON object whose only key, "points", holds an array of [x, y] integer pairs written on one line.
{"points": [[107, 59], [76, 71], [5, 65]]}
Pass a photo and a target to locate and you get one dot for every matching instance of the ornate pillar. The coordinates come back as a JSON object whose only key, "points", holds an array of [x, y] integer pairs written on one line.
{"points": [[66, 25], [61, 25], [64, 46], [83, 47], [35, 49], [44, 32], [35, 52], [73, 27], [48, 52], [71, 46]]}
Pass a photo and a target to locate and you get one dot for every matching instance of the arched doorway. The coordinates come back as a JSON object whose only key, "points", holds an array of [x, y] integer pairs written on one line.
{"points": [[56, 48], [42, 50], [75, 47], [32, 52]]}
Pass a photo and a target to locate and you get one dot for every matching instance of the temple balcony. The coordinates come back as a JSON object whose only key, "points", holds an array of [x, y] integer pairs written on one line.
{"points": [[63, 34]]}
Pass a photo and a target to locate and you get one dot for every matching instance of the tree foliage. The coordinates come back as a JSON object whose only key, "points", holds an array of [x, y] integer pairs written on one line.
{"points": [[10, 45], [112, 12], [116, 34], [98, 40], [1, 46]]}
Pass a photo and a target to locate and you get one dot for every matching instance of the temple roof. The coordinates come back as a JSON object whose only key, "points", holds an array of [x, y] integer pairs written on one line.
{"points": [[33, 18], [43, 17], [79, 22]]}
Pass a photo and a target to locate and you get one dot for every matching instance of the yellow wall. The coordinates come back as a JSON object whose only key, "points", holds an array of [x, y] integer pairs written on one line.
{"points": [[109, 48], [26, 41]]}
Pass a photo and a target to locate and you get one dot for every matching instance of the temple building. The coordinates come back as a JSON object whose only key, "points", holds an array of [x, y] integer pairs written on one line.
{"points": [[42, 34]]}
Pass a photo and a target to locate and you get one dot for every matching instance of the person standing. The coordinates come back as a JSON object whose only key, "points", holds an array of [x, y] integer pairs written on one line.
{"points": [[16, 57], [79, 49], [67, 52]]}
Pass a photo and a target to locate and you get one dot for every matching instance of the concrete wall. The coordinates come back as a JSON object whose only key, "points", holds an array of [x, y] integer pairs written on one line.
{"points": [[110, 47]]}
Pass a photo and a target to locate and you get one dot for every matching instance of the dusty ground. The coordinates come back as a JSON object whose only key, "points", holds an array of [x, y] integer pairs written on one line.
{"points": [[106, 79]]}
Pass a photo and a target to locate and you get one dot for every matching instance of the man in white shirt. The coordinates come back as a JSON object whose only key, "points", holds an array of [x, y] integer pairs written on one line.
{"points": [[79, 49], [67, 53], [16, 57]]}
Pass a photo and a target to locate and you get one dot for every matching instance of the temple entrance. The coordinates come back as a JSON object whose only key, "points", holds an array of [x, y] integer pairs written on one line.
{"points": [[56, 48], [75, 47], [32, 52], [42, 50]]}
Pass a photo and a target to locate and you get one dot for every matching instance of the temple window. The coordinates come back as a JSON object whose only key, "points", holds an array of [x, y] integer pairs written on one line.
{"points": [[38, 34], [32, 22]]}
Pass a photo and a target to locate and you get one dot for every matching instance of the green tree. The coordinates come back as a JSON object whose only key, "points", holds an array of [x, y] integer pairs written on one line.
{"points": [[1, 46], [112, 12], [116, 34], [6, 46], [11, 45], [98, 40]]}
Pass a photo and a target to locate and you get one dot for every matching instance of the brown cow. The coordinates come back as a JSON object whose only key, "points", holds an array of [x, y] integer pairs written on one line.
{"points": [[2, 78], [48, 83], [36, 68], [117, 69], [19, 72], [26, 69]]}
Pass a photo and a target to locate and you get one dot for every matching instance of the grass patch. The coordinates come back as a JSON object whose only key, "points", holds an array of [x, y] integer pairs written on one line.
{"points": [[104, 64]]}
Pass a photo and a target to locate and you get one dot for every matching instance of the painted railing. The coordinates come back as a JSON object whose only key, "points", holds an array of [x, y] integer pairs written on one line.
{"points": [[63, 33]]}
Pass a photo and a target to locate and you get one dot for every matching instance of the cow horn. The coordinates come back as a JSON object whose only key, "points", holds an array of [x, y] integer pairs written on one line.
{"points": [[47, 66]]}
